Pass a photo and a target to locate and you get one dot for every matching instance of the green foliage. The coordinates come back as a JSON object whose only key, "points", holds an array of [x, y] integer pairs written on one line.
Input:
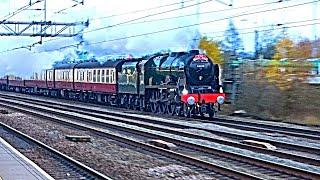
{"points": [[232, 42]]}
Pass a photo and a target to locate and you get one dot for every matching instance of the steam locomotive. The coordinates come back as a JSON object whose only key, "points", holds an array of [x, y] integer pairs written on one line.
{"points": [[179, 83]]}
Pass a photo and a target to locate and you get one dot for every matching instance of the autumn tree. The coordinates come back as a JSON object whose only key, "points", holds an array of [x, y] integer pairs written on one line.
{"points": [[288, 71], [303, 49], [284, 49], [212, 49]]}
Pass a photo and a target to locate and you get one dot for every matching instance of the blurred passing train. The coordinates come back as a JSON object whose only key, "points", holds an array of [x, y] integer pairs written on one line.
{"points": [[181, 83]]}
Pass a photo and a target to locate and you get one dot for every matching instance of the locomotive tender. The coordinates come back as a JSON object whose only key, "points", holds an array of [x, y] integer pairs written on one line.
{"points": [[180, 83]]}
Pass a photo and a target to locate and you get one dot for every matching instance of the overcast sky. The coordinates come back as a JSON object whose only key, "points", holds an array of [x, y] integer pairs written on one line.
{"points": [[22, 61]]}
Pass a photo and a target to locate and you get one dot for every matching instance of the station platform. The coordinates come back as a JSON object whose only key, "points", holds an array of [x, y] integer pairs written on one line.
{"points": [[15, 166]]}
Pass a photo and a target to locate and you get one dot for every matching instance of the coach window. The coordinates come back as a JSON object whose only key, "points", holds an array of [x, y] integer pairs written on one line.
{"points": [[89, 76], [83, 75], [78, 75], [112, 76], [98, 76], [107, 76], [94, 76], [102, 76], [67, 73]]}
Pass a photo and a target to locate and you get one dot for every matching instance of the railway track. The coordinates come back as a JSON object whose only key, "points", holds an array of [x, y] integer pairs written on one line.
{"points": [[248, 125], [262, 166], [218, 171], [57, 164], [158, 125], [265, 127]]}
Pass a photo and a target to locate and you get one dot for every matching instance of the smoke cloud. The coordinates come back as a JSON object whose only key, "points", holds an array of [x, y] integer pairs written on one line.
{"points": [[23, 63]]}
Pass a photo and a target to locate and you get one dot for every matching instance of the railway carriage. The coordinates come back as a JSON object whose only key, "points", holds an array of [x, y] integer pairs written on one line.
{"points": [[37, 83], [3, 83], [97, 81], [64, 77]]}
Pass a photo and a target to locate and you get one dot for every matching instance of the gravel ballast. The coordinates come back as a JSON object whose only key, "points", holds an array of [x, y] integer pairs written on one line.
{"points": [[105, 155]]}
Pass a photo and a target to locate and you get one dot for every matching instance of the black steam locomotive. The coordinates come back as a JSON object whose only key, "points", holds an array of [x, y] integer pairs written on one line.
{"points": [[182, 83]]}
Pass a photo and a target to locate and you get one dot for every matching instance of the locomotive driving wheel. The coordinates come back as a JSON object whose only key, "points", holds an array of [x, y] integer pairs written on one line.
{"points": [[130, 102], [162, 103], [187, 111], [211, 111], [141, 104], [154, 105], [135, 104], [171, 107], [178, 109], [172, 104]]}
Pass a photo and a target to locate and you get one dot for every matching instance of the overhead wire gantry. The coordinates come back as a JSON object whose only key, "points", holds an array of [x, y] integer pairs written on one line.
{"points": [[42, 28]]}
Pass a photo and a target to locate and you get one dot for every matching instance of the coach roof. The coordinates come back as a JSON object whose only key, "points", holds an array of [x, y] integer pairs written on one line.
{"points": [[84, 65], [65, 66]]}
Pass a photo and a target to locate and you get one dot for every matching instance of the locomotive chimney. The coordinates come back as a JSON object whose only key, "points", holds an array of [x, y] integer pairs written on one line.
{"points": [[195, 52]]}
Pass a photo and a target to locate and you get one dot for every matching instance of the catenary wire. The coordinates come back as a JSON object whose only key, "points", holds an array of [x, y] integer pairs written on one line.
{"points": [[149, 15], [171, 29], [5, 18], [208, 12], [138, 11], [75, 45], [248, 6]]}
